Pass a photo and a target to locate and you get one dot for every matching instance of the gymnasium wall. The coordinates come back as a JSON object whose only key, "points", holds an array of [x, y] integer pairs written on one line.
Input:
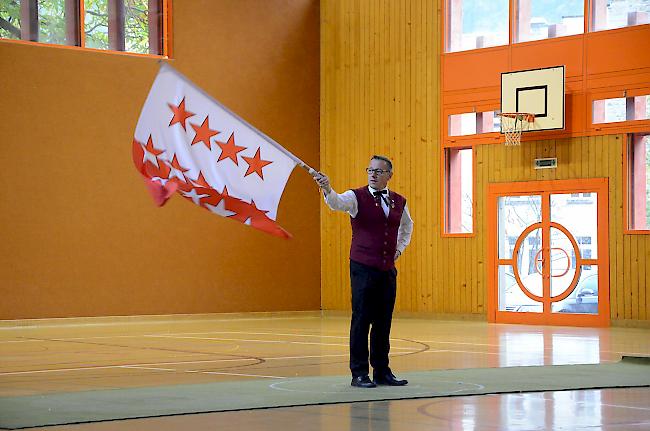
{"points": [[381, 93], [79, 234]]}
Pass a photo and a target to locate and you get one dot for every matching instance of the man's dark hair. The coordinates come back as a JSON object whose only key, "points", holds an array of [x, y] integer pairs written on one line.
{"points": [[385, 159]]}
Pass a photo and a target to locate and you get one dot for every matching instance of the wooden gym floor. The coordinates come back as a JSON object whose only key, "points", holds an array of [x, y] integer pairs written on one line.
{"points": [[89, 354]]}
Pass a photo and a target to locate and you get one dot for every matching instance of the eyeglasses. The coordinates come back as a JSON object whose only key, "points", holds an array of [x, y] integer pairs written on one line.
{"points": [[376, 171]]}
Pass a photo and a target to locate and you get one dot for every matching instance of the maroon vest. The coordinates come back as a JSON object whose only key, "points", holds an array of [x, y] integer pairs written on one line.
{"points": [[374, 236]]}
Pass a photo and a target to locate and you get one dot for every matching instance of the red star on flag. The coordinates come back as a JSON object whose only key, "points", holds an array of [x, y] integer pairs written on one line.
{"points": [[150, 153], [229, 150], [176, 170], [244, 212], [255, 164], [200, 181], [217, 203], [203, 133], [180, 114], [173, 160]]}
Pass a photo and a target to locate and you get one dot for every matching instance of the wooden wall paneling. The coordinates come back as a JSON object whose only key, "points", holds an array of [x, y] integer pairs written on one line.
{"points": [[324, 103], [407, 150], [334, 269], [459, 274], [332, 161], [479, 194], [594, 147], [523, 164], [428, 143], [343, 112], [417, 126], [617, 286], [328, 150], [481, 237], [642, 252], [404, 149], [574, 156], [610, 172], [627, 276], [634, 276], [563, 158], [381, 82]]}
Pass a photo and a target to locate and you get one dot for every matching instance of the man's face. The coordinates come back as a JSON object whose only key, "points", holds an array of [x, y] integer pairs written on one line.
{"points": [[376, 180]]}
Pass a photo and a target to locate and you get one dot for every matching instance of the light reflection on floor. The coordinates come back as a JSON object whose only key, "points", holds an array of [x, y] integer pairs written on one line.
{"points": [[241, 349]]}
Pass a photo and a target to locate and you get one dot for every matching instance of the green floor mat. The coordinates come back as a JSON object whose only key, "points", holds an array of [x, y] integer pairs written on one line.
{"points": [[94, 406]]}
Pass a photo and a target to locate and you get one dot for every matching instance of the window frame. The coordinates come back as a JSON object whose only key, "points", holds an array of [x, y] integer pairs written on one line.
{"points": [[444, 202], [473, 139], [629, 139], [633, 126], [589, 26], [515, 24], [75, 27]]}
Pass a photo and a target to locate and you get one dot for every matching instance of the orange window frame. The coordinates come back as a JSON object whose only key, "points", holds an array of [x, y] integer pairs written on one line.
{"points": [[444, 204], [473, 139], [633, 126], [599, 185], [165, 29], [627, 187]]}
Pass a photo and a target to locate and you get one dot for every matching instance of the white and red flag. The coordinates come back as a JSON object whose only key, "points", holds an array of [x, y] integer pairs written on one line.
{"points": [[187, 142]]}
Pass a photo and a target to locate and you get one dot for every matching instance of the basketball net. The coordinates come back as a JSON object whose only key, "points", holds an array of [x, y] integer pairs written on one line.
{"points": [[513, 123]]}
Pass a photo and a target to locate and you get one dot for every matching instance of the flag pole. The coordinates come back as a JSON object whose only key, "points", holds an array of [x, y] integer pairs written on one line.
{"points": [[309, 169]]}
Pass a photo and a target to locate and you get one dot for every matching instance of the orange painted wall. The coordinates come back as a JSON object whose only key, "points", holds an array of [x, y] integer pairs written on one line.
{"points": [[79, 236]]}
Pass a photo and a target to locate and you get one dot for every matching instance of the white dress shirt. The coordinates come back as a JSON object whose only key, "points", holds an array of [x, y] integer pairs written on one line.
{"points": [[347, 201]]}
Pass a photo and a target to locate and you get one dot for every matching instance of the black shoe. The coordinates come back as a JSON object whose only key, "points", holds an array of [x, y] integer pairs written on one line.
{"points": [[388, 379], [362, 382]]}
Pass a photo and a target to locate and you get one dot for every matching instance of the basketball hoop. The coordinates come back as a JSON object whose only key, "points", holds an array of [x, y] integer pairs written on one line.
{"points": [[513, 123]]}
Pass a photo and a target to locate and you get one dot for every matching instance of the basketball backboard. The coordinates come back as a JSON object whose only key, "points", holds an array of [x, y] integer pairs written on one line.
{"points": [[537, 91]]}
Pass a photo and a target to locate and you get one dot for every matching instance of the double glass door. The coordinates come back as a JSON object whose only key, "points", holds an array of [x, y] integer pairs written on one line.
{"points": [[548, 249]]}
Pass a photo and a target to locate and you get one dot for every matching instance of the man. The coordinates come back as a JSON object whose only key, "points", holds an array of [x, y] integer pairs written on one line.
{"points": [[381, 230]]}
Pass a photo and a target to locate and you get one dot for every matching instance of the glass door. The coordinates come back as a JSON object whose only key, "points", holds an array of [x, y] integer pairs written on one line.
{"points": [[546, 253]]}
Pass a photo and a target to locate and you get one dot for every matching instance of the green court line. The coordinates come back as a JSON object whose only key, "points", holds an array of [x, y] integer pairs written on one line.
{"points": [[131, 403]]}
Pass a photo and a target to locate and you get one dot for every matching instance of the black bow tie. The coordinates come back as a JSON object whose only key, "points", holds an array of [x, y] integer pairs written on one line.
{"points": [[379, 193]]}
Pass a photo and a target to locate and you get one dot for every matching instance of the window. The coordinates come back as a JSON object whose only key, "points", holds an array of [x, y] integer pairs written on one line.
{"points": [[638, 182], [458, 191], [119, 25], [476, 24], [608, 14], [621, 109], [472, 123], [545, 19]]}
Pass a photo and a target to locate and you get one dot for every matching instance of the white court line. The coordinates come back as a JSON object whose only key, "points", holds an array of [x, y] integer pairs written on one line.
{"points": [[173, 334], [235, 374], [314, 343], [153, 322], [104, 367], [258, 333], [135, 367], [207, 361], [200, 372], [263, 341]]}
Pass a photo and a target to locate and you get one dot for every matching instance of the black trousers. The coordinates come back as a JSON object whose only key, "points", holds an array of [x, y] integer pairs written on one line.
{"points": [[373, 300]]}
